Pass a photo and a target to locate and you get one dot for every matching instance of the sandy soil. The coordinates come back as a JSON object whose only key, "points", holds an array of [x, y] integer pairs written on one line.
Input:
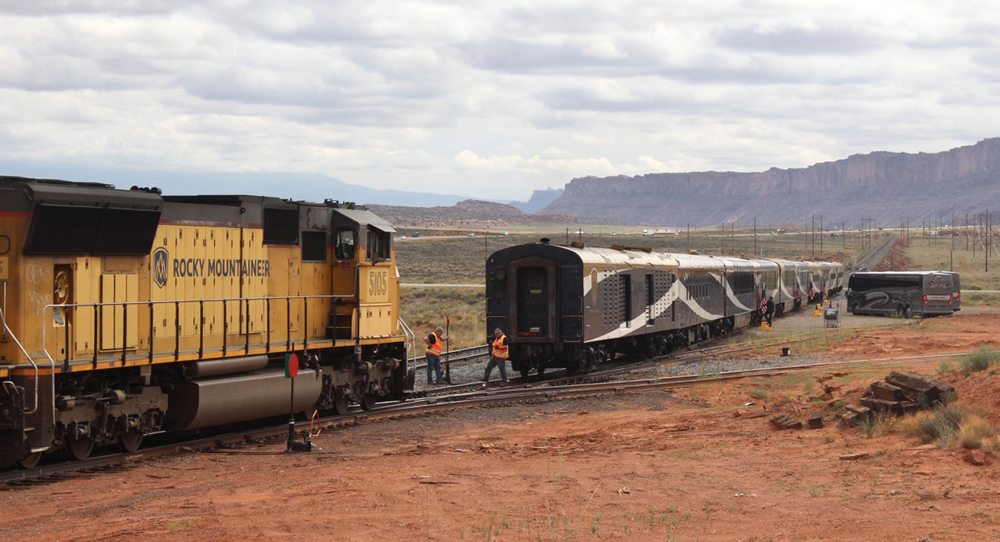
{"points": [[697, 463]]}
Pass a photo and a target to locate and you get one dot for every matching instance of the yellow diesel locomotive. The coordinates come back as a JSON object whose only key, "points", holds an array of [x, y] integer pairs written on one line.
{"points": [[127, 312]]}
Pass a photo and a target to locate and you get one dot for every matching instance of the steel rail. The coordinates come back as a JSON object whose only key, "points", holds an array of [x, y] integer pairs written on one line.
{"points": [[480, 397]]}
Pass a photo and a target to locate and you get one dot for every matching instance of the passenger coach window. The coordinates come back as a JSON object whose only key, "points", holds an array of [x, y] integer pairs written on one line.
{"points": [[346, 239]]}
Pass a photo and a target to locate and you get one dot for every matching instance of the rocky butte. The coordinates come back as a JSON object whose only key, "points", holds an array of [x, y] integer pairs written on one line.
{"points": [[885, 186]]}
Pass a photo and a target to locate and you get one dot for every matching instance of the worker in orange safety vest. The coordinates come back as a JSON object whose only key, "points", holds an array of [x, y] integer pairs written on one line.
{"points": [[435, 344], [498, 357]]}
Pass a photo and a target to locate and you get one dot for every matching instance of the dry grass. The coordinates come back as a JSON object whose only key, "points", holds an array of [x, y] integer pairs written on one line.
{"points": [[448, 260], [947, 426], [930, 253], [426, 308]]}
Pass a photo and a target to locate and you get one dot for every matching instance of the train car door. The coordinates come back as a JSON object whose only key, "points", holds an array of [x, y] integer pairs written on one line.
{"points": [[650, 301], [533, 301]]}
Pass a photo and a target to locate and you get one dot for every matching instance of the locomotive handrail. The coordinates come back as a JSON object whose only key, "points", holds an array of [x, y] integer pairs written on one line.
{"points": [[411, 338], [8, 330], [3, 312]]}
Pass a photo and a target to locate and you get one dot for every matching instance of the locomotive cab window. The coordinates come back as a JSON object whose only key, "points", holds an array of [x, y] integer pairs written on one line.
{"points": [[378, 244], [347, 238]]}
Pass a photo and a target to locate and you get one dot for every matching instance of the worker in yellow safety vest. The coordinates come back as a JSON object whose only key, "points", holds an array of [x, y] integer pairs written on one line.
{"points": [[435, 344], [498, 357]]}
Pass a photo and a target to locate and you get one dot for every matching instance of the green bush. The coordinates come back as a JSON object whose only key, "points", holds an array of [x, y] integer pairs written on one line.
{"points": [[980, 360]]}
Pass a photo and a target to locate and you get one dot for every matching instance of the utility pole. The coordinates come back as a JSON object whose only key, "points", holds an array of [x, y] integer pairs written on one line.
{"points": [[732, 238], [812, 237], [821, 234], [755, 255]]}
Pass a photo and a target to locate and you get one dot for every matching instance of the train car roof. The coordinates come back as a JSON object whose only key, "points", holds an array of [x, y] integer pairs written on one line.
{"points": [[636, 257], [764, 264], [13, 179], [641, 257], [624, 256]]}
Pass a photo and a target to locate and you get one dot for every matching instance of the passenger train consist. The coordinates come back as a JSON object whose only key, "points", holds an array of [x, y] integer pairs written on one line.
{"points": [[125, 312], [574, 307]]}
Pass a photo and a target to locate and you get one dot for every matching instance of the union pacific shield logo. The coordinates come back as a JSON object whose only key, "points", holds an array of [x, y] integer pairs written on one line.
{"points": [[160, 257]]}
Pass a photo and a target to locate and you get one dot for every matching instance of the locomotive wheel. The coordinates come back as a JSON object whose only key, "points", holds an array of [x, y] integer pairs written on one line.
{"points": [[30, 461], [368, 401], [79, 448], [130, 440], [340, 406]]}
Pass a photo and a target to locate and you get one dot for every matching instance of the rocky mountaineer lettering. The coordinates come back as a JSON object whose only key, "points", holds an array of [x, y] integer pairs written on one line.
{"points": [[200, 267]]}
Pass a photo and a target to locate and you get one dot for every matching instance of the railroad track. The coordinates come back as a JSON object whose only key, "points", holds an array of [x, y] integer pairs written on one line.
{"points": [[457, 357], [540, 391], [875, 256]]}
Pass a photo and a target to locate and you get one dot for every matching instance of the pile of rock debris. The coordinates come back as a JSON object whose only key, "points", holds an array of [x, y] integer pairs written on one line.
{"points": [[900, 393]]}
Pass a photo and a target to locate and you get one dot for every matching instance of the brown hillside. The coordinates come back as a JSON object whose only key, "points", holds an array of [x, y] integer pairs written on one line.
{"points": [[887, 187], [468, 214]]}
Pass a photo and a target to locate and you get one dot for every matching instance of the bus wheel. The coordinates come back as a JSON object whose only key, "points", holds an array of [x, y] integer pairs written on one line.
{"points": [[906, 312]]}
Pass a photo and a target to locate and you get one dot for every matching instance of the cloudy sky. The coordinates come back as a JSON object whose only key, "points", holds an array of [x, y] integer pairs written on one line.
{"points": [[486, 98]]}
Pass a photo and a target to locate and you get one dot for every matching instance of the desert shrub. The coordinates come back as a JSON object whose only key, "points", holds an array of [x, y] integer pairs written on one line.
{"points": [[980, 360], [950, 424], [945, 368], [868, 424], [975, 431]]}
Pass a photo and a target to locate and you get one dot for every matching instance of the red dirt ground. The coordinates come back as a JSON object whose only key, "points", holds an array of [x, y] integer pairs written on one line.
{"points": [[695, 463]]}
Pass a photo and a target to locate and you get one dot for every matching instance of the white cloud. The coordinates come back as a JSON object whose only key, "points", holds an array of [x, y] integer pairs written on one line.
{"points": [[469, 96]]}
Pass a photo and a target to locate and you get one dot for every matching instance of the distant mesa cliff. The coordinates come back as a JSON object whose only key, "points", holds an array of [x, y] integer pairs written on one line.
{"points": [[887, 187]]}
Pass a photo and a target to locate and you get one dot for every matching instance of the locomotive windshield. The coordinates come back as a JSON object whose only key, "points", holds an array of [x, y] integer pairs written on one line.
{"points": [[346, 239]]}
